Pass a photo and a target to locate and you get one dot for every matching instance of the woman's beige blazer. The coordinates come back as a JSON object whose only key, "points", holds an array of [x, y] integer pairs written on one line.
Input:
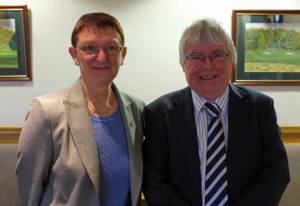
{"points": [[58, 160]]}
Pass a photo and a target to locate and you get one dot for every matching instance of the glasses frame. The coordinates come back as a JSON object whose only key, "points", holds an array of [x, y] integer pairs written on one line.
{"points": [[99, 48], [210, 57]]}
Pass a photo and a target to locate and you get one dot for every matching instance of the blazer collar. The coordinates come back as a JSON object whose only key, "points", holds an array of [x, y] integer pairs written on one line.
{"points": [[184, 123], [238, 110], [81, 131], [127, 115], [135, 155]]}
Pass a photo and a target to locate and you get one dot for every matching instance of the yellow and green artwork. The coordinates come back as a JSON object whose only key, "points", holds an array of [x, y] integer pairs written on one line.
{"points": [[8, 44], [271, 47]]}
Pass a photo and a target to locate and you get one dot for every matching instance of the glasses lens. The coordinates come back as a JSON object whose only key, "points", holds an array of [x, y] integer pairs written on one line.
{"points": [[89, 49], [218, 58], [196, 59], [111, 49]]}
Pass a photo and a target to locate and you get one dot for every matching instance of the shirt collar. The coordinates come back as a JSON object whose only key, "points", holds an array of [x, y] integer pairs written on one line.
{"points": [[199, 101]]}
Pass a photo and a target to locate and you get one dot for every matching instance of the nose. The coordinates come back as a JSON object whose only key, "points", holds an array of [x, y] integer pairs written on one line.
{"points": [[207, 64], [101, 55]]}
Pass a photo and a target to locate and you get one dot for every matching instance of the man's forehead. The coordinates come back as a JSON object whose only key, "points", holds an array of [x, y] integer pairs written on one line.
{"points": [[204, 46]]}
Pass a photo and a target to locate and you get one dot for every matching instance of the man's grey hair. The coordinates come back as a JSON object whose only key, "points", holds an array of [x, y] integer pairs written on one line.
{"points": [[206, 31]]}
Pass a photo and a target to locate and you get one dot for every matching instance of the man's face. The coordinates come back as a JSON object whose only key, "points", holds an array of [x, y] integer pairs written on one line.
{"points": [[207, 68], [99, 54]]}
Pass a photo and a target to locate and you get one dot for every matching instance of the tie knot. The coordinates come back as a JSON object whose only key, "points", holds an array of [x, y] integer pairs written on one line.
{"points": [[212, 109]]}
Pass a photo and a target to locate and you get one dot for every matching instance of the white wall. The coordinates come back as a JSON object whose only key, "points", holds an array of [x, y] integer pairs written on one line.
{"points": [[152, 32]]}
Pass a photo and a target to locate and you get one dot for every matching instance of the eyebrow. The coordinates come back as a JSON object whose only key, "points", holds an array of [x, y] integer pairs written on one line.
{"points": [[95, 43], [212, 52]]}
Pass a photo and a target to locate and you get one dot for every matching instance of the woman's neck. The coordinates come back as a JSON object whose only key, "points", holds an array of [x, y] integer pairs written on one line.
{"points": [[101, 100]]}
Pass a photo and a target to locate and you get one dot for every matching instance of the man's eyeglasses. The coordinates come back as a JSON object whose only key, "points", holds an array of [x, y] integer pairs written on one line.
{"points": [[216, 58], [93, 49]]}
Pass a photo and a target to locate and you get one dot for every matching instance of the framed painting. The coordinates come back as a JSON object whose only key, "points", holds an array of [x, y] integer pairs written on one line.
{"points": [[268, 47], [14, 44]]}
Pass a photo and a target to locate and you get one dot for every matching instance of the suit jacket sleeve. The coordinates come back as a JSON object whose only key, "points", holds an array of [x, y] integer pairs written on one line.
{"points": [[270, 181], [34, 155], [157, 185]]}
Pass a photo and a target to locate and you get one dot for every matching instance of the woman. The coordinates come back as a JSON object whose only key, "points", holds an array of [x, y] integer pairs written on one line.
{"points": [[82, 145]]}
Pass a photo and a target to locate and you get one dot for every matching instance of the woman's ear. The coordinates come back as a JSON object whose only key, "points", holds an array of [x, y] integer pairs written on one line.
{"points": [[124, 52], [72, 52]]}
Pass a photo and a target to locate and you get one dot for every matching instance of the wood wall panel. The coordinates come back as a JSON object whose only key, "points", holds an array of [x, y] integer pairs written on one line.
{"points": [[290, 134]]}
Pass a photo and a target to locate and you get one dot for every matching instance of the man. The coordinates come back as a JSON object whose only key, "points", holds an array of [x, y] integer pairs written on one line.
{"points": [[212, 143]]}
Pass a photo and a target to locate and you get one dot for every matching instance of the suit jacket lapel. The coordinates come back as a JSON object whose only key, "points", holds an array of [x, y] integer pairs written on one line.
{"points": [[184, 124], [82, 133], [237, 120]]}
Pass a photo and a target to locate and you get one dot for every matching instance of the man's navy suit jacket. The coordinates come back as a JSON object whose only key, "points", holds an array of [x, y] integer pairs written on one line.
{"points": [[256, 159]]}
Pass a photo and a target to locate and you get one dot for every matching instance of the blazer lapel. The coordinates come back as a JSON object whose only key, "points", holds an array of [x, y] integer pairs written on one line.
{"points": [[128, 119], [82, 133], [185, 130], [237, 120], [134, 146]]}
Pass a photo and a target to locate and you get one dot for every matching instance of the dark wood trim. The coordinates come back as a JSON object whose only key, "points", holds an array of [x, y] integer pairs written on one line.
{"points": [[290, 134]]}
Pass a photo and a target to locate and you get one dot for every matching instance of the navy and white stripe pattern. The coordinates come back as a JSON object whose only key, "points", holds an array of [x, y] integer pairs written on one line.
{"points": [[216, 170]]}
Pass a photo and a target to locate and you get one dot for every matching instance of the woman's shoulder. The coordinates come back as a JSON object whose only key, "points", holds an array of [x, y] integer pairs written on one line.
{"points": [[53, 97], [128, 98]]}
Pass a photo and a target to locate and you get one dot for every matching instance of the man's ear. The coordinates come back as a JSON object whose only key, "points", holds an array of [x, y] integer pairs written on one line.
{"points": [[233, 67], [72, 52]]}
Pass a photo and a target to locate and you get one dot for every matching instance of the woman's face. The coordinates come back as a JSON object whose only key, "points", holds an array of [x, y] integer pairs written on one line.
{"points": [[99, 54]]}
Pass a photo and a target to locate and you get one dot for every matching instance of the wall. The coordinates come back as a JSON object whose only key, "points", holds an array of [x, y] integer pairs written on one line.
{"points": [[152, 29]]}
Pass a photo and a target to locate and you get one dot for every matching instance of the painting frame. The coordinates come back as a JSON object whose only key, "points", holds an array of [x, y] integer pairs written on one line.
{"points": [[15, 64], [261, 58]]}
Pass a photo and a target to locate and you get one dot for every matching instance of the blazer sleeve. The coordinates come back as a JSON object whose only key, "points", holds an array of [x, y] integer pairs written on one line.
{"points": [[157, 185], [34, 155], [270, 182]]}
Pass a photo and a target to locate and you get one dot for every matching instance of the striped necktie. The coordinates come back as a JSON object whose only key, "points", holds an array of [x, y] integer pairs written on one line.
{"points": [[216, 170]]}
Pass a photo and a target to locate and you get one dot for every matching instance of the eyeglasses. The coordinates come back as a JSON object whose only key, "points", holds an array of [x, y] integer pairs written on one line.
{"points": [[93, 49], [216, 58]]}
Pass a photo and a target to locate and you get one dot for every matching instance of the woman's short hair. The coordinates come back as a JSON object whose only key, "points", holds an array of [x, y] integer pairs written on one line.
{"points": [[97, 20]]}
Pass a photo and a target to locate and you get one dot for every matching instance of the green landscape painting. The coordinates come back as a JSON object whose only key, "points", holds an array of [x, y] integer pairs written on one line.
{"points": [[8, 46], [272, 47]]}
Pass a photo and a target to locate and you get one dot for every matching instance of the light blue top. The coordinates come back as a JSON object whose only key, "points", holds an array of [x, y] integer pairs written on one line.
{"points": [[114, 160]]}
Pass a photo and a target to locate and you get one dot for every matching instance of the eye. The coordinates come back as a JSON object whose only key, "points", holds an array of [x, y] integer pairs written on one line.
{"points": [[111, 48], [200, 57], [89, 48], [196, 57], [217, 55]]}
